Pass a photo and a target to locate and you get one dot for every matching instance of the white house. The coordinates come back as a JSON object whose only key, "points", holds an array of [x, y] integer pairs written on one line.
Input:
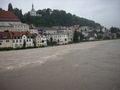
{"points": [[86, 29], [40, 40], [57, 33], [15, 39], [33, 31], [68, 32], [22, 39], [58, 38]]}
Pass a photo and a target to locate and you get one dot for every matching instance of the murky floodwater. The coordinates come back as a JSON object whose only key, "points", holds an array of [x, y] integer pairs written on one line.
{"points": [[84, 66]]}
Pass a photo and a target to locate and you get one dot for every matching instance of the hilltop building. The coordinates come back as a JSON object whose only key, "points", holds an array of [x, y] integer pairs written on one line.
{"points": [[33, 12]]}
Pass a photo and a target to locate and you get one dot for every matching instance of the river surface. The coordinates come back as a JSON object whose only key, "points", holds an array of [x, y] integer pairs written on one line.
{"points": [[83, 66]]}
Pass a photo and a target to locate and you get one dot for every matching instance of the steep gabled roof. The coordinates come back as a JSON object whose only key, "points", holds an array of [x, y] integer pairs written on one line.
{"points": [[8, 16], [5, 35], [20, 34], [13, 34]]}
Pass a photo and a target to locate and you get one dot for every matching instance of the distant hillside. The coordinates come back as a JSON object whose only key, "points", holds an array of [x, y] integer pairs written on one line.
{"points": [[50, 17]]}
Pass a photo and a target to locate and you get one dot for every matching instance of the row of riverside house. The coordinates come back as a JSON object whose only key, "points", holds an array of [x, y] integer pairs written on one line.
{"points": [[15, 34]]}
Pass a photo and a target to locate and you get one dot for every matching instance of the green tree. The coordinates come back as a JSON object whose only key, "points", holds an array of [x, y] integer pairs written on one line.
{"points": [[1, 9], [18, 13], [114, 29], [76, 36], [10, 8], [56, 17], [24, 44], [51, 41], [81, 36]]}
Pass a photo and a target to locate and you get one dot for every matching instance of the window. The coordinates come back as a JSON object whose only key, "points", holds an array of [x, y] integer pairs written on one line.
{"points": [[16, 41], [15, 45], [42, 41], [65, 39], [7, 40], [13, 41]]}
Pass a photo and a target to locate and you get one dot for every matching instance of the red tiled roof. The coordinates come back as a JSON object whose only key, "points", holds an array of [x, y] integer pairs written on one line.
{"points": [[13, 34], [8, 16], [5, 35], [20, 34]]}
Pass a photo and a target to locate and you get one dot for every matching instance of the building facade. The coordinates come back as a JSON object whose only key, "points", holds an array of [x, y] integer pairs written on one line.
{"points": [[22, 39], [33, 12], [5, 40], [15, 39], [40, 40], [10, 22], [62, 34], [58, 38]]}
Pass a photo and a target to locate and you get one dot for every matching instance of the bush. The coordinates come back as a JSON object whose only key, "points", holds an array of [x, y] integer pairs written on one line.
{"points": [[6, 49]]}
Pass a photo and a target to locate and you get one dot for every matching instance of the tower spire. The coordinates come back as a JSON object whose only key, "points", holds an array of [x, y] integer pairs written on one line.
{"points": [[33, 12], [32, 6]]}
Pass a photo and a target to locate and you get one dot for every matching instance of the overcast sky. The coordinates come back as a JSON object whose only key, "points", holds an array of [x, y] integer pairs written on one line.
{"points": [[105, 12]]}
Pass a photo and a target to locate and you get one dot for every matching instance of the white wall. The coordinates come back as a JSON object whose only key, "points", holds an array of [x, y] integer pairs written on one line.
{"points": [[16, 26], [18, 43]]}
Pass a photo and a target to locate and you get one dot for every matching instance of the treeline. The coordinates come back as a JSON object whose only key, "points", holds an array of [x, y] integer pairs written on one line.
{"points": [[49, 17]]}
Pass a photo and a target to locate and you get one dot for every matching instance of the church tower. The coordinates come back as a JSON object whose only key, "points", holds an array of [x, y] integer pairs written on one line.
{"points": [[33, 7], [33, 12]]}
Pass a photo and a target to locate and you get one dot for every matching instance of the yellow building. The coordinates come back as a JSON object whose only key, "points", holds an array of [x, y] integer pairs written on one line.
{"points": [[5, 43], [5, 39]]}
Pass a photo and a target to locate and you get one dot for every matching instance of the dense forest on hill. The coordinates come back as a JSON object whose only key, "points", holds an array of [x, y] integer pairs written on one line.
{"points": [[48, 17]]}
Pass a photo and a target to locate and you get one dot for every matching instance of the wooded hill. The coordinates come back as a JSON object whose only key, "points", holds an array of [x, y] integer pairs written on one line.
{"points": [[48, 17]]}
